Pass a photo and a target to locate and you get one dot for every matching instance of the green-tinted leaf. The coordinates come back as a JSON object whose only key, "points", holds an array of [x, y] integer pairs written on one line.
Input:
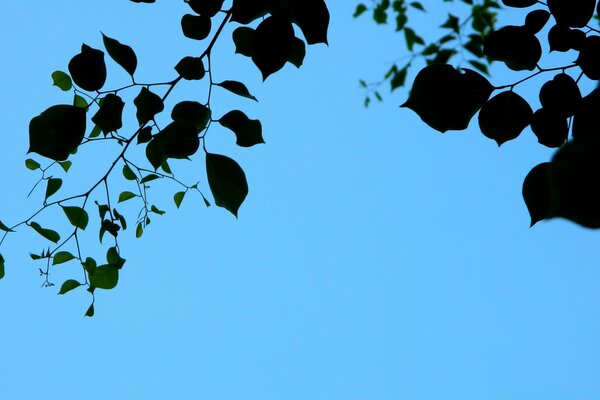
{"points": [[236, 87], [80, 102], [32, 164], [90, 310], [227, 182], [156, 210], [88, 69], [62, 257], [89, 265], [62, 80], [113, 258], [124, 196], [149, 178], [5, 228], [196, 26], [360, 9], [46, 233], [2, 272], [105, 277], [109, 116], [69, 285], [128, 173], [77, 216], [56, 132], [247, 131], [139, 230], [121, 53], [178, 198], [65, 165], [179, 139], [53, 186], [148, 105], [95, 132]]}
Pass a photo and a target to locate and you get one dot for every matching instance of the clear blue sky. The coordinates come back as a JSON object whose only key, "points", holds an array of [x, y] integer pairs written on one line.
{"points": [[373, 259]]}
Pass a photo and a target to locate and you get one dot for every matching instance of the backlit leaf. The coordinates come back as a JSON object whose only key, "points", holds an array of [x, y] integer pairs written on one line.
{"points": [[77, 216], [227, 182], [46, 233]]}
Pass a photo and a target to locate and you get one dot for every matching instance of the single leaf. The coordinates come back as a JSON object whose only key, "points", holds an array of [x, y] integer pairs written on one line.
{"points": [[2, 269], [62, 80], [69, 285], [588, 58], [77, 216], [57, 131], [32, 164], [504, 117], [62, 257], [536, 192], [178, 198], [121, 53], [105, 277], [242, 38], [550, 128], [536, 20], [191, 68], [90, 310], [5, 228], [237, 88], [196, 26], [207, 8], [65, 165], [109, 117], [53, 186], [145, 135], [298, 53], [192, 111], [585, 120], [247, 131], [156, 210], [244, 11], [519, 3], [516, 46], [148, 105], [312, 16], [128, 173], [46, 233], [124, 196], [575, 14], [227, 182], [561, 95], [88, 69], [113, 258], [360, 9], [272, 45], [149, 178], [179, 139]]}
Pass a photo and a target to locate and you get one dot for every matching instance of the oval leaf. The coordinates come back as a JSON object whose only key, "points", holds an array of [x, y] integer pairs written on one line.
{"points": [[227, 182], [121, 53], [237, 88], [77, 216], [62, 257], [247, 131], [62, 80], [504, 117], [69, 285]]}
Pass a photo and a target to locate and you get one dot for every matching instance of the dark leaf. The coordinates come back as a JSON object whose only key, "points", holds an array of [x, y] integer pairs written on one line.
{"points": [[360, 9], [192, 112], [126, 195], [56, 132], [5, 228], [312, 16], [536, 193], [113, 258], [516, 46], [227, 182], [298, 53], [46, 233], [178, 198], [105, 277], [88, 69], [445, 99], [179, 139], [77, 216], [561, 95], [69, 285], [128, 173], [145, 135], [2, 268], [148, 105], [244, 11], [90, 310], [109, 116], [504, 117], [519, 3], [247, 131], [191, 68], [572, 13], [208, 8], [589, 59], [242, 38], [32, 164], [62, 257], [585, 121], [236, 87], [550, 128], [62, 81], [536, 20], [53, 186], [121, 53], [196, 26], [560, 38], [272, 45]]}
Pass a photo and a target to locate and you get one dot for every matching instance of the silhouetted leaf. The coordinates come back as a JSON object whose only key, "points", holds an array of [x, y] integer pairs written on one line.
{"points": [[272, 45], [298, 53], [561, 95], [504, 117], [192, 112], [360, 9], [145, 135], [56, 132], [105, 277], [128, 173], [113, 258], [191, 68], [109, 117], [121, 53], [88, 69], [236, 87], [2, 268], [560, 38], [178, 198], [207, 8], [126, 195], [242, 38], [445, 99], [536, 193], [519, 3], [149, 178], [312, 16], [550, 128], [148, 105], [179, 139], [46, 233], [52, 187], [69, 285], [247, 131], [244, 11], [536, 20], [77, 216], [90, 310], [62, 81], [32, 164], [572, 13], [5, 228], [196, 26], [62, 257], [574, 182], [585, 121], [516, 46], [65, 165], [589, 59], [227, 182]]}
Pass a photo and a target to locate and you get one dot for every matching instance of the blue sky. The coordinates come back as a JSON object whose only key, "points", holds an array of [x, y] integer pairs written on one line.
{"points": [[373, 258]]}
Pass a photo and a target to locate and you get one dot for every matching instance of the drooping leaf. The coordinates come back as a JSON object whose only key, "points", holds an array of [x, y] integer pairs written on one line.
{"points": [[148, 105], [149, 178], [504, 117], [550, 128], [5, 228], [179, 139], [196, 26], [242, 38], [445, 99], [57, 131], [312, 16], [65, 165], [113, 258], [32, 164], [69, 285], [62, 80], [46, 233], [244, 11], [105, 277], [109, 116], [236, 87], [585, 120], [572, 13], [360, 9], [77, 216], [121, 53], [516, 46], [272, 45], [128, 173], [536, 193], [2, 268], [208, 8], [227, 182], [561, 95], [90, 310], [126, 195], [191, 68], [588, 59], [247, 131], [178, 198], [298, 53], [574, 182], [62, 257], [54, 184], [88, 69], [192, 112]]}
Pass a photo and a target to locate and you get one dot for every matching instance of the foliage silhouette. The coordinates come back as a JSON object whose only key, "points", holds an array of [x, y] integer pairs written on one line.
{"points": [[266, 35], [569, 185]]}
